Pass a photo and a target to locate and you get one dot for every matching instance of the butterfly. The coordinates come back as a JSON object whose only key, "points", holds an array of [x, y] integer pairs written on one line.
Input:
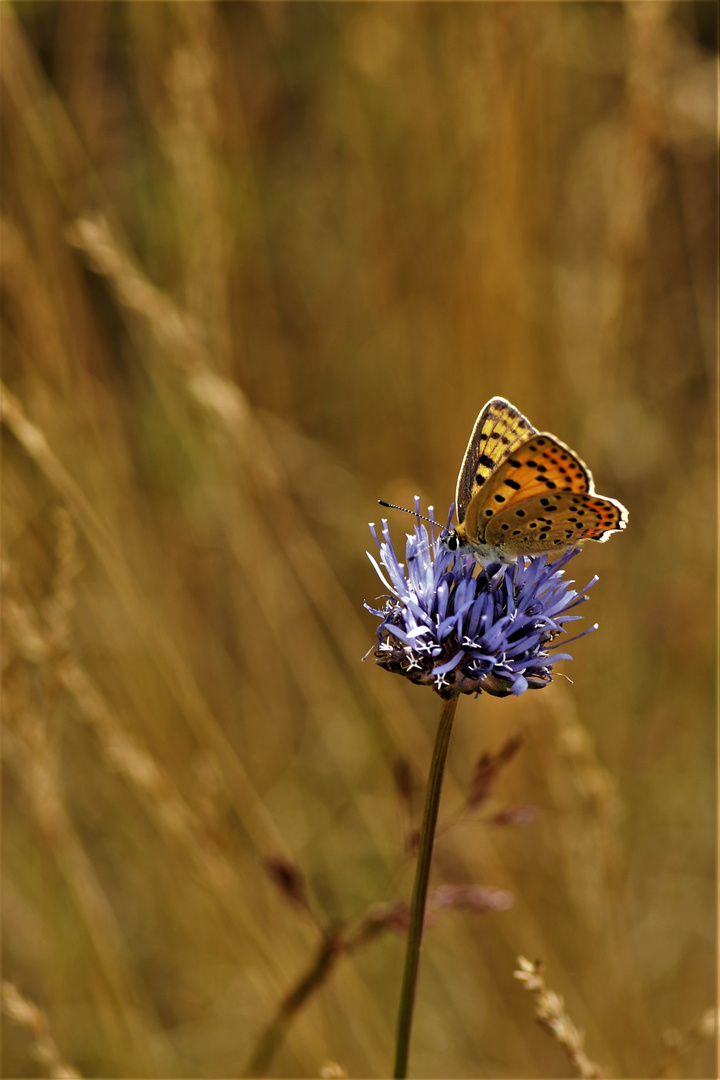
{"points": [[523, 492]]}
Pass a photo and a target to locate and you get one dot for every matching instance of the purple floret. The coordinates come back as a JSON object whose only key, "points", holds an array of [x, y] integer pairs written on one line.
{"points": [[460, 627]]}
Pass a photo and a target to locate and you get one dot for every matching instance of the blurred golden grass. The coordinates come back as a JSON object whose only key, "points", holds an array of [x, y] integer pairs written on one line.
{"points": [[262, 264]]}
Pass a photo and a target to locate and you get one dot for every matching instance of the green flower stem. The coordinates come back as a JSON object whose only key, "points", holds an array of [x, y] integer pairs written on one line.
{"points": [[422, 874]]}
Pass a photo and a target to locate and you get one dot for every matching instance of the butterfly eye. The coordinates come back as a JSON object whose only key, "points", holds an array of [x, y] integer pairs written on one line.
{"points": [[452, 541]]}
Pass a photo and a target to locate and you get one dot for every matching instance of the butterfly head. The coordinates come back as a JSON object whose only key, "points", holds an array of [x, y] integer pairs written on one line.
{"points": [[451, 540], [459, 542], [458, 539]]}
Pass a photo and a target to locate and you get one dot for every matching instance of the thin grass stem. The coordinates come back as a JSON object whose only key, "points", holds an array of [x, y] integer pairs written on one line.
{"points": [[422, 875], [329, 952]]}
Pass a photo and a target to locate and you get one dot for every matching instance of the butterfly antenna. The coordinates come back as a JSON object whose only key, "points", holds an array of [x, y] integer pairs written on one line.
{"points": [[394, 506]]}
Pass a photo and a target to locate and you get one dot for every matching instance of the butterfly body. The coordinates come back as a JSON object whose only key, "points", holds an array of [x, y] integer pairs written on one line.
{"points": [[524, 492]]}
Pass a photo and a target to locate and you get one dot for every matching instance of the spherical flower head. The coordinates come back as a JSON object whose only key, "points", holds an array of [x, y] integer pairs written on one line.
{"points": [[463, 628]]}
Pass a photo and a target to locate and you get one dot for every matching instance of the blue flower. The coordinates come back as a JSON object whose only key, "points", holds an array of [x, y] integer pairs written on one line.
{"points": [[463, 628]]}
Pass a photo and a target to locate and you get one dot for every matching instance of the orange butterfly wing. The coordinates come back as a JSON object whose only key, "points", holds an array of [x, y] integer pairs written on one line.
{"points": [[499, 430], [540, 466]]}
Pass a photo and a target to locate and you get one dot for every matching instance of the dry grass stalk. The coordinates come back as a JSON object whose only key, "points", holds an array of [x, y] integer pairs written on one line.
{"points": [[33, 1020], [29, 751], [487, 768], [551, 1016], [123, 752], [174, 330], [678, 1043], [224, 401], [43, 643], [32, 693], [59, 607], [311, 585], [178, 676], [587, 292], [302, 573], [37, 639], [586, 807], [190, 140]]}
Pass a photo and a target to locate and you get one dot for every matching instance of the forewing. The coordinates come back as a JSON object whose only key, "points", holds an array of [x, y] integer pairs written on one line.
{"points": [[499, 430], [554, 521], [541, 465]]}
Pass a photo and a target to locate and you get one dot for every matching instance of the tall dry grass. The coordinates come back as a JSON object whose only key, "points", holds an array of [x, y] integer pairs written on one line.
{"points": [[262, 264]]}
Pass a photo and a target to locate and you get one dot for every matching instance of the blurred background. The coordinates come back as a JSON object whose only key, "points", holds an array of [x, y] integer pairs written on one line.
{"points": [[263, 263]]}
